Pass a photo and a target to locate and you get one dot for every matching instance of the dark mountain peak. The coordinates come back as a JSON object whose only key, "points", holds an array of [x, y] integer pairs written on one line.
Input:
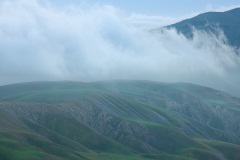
{"points": [[228, 22], [235, 11]]}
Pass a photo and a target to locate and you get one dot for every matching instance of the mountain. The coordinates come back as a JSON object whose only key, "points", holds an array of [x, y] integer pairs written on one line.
{"points": [[135, 120], [228, 22]]}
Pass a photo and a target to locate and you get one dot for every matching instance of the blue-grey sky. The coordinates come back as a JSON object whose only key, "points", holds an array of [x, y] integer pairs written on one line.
{"points": [[172, 8]]}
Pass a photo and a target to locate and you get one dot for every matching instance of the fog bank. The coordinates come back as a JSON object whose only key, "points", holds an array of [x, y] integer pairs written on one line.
{"points": [[89, 43]]}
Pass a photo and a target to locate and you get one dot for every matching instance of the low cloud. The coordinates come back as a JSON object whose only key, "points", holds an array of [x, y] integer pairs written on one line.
{"points": [[42, 42]]}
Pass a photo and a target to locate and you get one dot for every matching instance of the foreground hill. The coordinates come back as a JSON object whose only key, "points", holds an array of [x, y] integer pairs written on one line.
{"points": [[135, 120], [228, 22]]}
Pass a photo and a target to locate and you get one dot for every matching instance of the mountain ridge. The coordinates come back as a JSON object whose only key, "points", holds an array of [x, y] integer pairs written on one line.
{"points": [[227, 21]]}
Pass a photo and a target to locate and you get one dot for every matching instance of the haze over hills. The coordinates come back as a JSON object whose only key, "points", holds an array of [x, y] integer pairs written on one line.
{"points": [[227, 21], [138, 120], [42, 42]]}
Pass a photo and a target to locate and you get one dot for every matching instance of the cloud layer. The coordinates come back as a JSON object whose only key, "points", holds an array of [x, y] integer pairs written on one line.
{"points": [[41, 42]]}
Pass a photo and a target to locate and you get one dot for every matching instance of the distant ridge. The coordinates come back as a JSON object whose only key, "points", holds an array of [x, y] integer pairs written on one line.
{"points": [[228, 22]]}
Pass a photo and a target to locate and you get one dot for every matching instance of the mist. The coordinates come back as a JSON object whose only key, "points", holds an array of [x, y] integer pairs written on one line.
{"points": [[39, 42]]}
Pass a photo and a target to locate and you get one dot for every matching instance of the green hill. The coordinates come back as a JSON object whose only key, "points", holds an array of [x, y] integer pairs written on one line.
{"points": [[138, 120]]}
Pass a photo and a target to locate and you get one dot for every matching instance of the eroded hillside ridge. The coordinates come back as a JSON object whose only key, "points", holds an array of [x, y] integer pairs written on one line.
{"points": [[122, 117]]}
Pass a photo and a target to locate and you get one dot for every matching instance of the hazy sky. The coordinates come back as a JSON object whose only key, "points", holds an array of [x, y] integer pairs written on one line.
{"points": [[172, 8], [155, 12], [46, 40]]}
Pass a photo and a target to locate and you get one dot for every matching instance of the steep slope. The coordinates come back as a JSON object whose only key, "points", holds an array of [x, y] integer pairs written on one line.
{"points": [[228, 22], [128, 119]]}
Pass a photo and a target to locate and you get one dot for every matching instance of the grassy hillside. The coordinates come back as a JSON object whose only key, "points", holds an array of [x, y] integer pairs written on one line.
{"points": [[117, 120]]}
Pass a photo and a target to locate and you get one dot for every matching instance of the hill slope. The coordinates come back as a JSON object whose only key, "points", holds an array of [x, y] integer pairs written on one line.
{"points": [[117, 120], [228, 22]]}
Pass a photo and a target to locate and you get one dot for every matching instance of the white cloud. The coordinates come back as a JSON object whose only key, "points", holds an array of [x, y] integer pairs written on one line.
{"points": [[40, 42]]}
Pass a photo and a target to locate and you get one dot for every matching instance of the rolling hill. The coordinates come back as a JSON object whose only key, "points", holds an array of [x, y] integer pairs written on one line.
{"points": [[135, 120]]}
